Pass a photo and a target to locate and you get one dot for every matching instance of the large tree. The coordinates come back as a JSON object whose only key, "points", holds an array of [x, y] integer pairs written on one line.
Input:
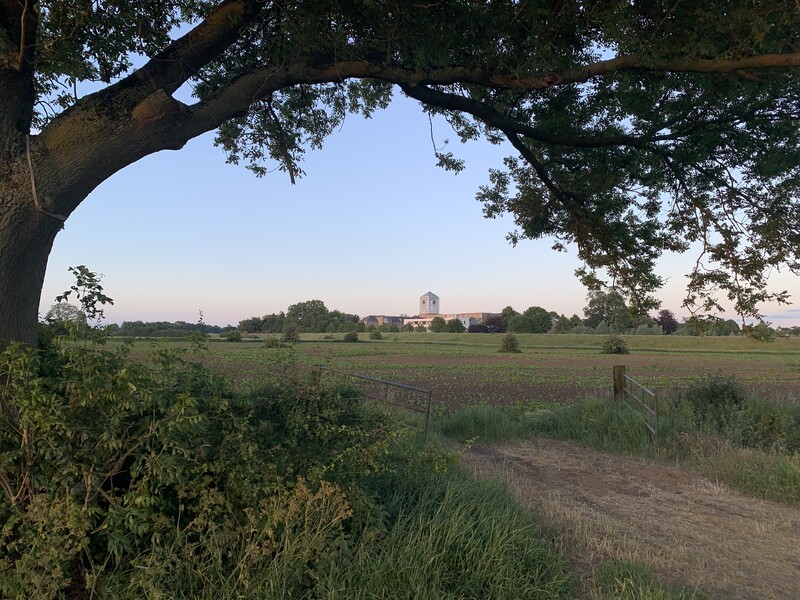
{"points": [[637, 127]]}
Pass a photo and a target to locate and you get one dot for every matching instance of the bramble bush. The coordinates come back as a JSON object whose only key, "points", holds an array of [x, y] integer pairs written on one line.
{"points": [[151, 478], [714, 400]]}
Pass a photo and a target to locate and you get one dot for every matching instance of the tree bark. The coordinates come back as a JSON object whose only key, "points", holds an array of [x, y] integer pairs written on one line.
{"points": [[26, 237]]}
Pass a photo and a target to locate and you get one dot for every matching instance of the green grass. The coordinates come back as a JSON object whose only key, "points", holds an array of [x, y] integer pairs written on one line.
{"points": [[614, 427], [469, 369], [454, 537], [442, 534], [480, 423]]}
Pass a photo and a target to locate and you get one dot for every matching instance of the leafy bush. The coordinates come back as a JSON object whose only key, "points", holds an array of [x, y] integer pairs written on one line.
{"points": [[715, 399], [272, 342], [767, 426], [352, 336], [510, 343], [614, 344], [373, 335], [124, 478], [232, 336], [290, 333]]}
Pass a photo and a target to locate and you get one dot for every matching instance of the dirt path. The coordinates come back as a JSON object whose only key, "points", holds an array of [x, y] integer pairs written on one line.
{"points": [[688, 530]]}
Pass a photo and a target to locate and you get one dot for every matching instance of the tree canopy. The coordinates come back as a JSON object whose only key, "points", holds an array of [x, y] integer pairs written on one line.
{"points": [[637, 128]]}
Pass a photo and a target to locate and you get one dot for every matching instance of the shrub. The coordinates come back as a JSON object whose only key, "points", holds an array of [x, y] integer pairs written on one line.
{"points": [[352, 336], [614, 344], [181, 488], [714, 399], [373, 335], [232, 336], [510, 343], [273, 342], [767, 426], [290, 333]]}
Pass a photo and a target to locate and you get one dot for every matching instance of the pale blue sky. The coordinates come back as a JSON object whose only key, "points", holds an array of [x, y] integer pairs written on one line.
{"points": [[372, 226]]}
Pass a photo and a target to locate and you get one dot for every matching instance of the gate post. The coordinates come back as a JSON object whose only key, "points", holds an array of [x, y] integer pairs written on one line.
{"points": [[619, 382]]}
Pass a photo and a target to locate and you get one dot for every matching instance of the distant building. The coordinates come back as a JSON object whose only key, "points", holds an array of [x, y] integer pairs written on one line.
{"points": [[378, 320], [429, 307], [429, 304]]}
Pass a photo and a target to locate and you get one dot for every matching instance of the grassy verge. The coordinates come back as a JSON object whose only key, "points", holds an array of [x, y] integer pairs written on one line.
{"points": [[750, 452], [481, 423]]}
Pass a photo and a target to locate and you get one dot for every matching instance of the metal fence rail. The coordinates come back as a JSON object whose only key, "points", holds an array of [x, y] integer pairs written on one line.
{"points": [[639, 398], [392, 393]]}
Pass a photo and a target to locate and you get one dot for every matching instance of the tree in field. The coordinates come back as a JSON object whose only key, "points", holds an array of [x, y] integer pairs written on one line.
{"points": [[251, 325], [609, 308], [454, 326], [636, 128], [666, 319], [62, 313], [495, 324], [508, 315], [534, 320], [438, 324]]}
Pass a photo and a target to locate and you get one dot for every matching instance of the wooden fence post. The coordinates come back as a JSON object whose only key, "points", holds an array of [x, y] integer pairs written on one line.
{"points": [[619, 381]]}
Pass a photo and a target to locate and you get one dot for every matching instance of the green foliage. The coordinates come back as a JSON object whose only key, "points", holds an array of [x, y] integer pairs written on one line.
{"points": [[130, 478], [375, 335], [760, 331], [609, 308], [290, 333], [614, 344], [768, 426], [438, 325], [768, 468], [232, 336], [507, 316], [66, 316], [351, 337], [510, 343], [452, 537], [454, 326], [482, 423], [534, 320], [607, 426], [88, 292], [715, 399]]}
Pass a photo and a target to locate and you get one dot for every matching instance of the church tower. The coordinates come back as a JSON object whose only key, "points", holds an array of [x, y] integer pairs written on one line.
{"points": [[429, 304]]}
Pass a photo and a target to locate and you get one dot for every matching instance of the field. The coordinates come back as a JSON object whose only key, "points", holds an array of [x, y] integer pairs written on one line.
{"points": [[597, 506], [465, 369]]}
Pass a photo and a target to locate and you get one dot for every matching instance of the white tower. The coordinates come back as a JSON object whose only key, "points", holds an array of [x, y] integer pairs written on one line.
{"points": [[429, 304]]}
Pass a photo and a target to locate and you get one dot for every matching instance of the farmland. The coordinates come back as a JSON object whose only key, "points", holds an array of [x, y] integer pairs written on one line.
{"points": [[464, 369]]}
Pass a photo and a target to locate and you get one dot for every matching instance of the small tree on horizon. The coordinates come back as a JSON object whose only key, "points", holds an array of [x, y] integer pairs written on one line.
{"points": [[454, 326], [438, 325]]}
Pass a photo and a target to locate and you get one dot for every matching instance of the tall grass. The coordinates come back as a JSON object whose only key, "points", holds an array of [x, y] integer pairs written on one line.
{"points": [[482, 423], [752, 449], [453, 538]]}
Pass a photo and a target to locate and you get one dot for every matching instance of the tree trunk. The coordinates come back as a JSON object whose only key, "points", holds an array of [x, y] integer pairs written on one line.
{"points": [[26, 237]]}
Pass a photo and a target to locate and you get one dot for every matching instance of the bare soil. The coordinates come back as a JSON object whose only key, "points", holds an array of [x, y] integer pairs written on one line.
{"points": [[688, 530]]}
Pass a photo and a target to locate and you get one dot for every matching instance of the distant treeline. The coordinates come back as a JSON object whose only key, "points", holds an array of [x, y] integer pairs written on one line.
{"points": [[164, 329], [310, 316]]}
